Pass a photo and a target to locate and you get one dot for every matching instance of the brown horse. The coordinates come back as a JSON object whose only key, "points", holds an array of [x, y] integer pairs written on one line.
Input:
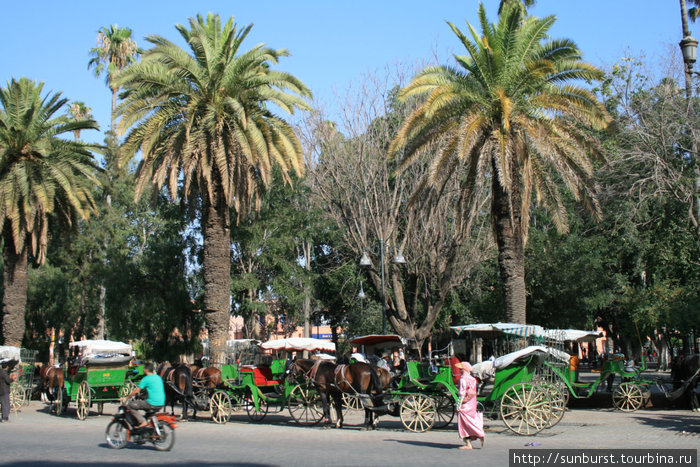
{"points": [[177, 380], [685, 372], [51, 383], [367, 381], [332, 380], [209, 377], [321, 374]]}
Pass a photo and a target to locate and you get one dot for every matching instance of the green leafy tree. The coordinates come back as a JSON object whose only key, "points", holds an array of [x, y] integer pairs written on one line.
{"points": [[41, 174], [515, 124], [203, 118]]}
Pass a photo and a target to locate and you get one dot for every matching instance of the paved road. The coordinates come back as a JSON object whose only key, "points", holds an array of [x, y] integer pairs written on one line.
{"points": [[35, 437]]}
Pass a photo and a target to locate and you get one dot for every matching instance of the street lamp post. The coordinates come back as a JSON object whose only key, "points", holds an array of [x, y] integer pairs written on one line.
{"points": [[366, 262], [689, 48]]}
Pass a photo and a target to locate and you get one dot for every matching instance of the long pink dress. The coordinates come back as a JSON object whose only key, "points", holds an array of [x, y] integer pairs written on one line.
{"points": [[469, 422]]}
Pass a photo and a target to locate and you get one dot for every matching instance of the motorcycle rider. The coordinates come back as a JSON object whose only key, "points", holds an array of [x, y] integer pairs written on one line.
{"points": [[153, 384]]}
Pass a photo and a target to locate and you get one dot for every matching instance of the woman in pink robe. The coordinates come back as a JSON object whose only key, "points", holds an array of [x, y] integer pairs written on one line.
{"points": [[469, 422]]}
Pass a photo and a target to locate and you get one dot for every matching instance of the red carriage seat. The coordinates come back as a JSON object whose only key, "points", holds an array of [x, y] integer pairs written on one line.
{"points": [[262, 375], [452, 362]]}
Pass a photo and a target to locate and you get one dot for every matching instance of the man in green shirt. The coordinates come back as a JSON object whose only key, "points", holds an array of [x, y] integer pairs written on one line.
{"points": [[153, 384]]}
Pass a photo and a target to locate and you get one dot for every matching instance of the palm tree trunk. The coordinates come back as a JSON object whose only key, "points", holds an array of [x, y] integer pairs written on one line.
{"points": [[14, 299], [113, 125], [507, 218], [216, 267]]}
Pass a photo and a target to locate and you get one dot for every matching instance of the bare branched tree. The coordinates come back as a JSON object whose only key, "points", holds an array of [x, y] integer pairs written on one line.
{"points": [[654, 137], [355, 184]]}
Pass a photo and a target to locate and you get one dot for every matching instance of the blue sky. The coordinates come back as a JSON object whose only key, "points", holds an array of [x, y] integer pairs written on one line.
{"points": [[332, 43]]}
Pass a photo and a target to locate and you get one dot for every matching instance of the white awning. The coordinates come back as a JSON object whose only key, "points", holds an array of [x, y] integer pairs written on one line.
{"points": [[521, 330], [8, 352], [299, 344], [93, 347], [575, 335]]}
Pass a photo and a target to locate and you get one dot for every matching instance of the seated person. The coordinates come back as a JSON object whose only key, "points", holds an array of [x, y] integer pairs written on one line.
{"points": [[358, 357], [153, 384], [398, 364], [379, 362]]}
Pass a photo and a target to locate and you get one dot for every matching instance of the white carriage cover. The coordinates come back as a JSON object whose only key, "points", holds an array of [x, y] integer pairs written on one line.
{"points": [[299, 344], [8, 352], [103, 352], [506, 360], [94, 347]]}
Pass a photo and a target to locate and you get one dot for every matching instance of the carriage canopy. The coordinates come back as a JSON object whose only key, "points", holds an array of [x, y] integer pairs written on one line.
{"points": [[96, 347], [373, 339], [8, 352], [299, 344], [574, 335], [495, 329]]}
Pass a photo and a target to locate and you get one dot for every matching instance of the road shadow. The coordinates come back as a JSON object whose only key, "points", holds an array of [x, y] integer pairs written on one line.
{"points": [[679, 423], [426, 444], [101, 463]]}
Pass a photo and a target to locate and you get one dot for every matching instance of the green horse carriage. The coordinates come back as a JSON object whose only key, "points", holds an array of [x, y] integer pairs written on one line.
{"points": [[256, 382], [425, 395], [629, 395], [21, 389], [100, 372]]}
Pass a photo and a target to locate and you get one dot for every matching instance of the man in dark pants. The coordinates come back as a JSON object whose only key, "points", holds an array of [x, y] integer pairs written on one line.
{"points": [[5, 381], [153, 384]]}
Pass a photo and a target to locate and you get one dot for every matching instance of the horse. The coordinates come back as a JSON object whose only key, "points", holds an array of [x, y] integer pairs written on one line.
{"points": [[321, 373], [178, 386], [685, 371], [332, 380], [363, 378], [209, 377], [51, 382]]}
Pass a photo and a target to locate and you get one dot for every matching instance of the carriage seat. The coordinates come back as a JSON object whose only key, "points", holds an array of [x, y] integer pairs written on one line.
{"points": [[452, 363], [262, 375]]}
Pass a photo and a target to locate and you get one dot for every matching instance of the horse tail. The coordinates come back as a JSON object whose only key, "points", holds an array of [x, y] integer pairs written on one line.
{"points": [[188, 382], [376, 382]]}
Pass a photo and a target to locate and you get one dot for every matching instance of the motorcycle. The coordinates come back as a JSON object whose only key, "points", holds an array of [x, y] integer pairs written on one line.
{"points": [[160, 430]]}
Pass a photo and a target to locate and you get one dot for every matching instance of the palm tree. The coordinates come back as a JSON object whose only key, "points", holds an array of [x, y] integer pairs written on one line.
{"points": [[115, 51], [202, 119], [522, 3], [512, 119], [42, 176], [79, 111]]}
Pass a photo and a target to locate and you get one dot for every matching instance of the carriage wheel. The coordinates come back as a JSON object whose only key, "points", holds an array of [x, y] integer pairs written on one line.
{"points": [[417, 412], [254, 414], [237, 402], [305, 406], [559, 398], [126, 389], [351, 402], [17, 396], [526, 408], [220, 407], [82, 400], [58, 405], [628, 397], [444, 410]]}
